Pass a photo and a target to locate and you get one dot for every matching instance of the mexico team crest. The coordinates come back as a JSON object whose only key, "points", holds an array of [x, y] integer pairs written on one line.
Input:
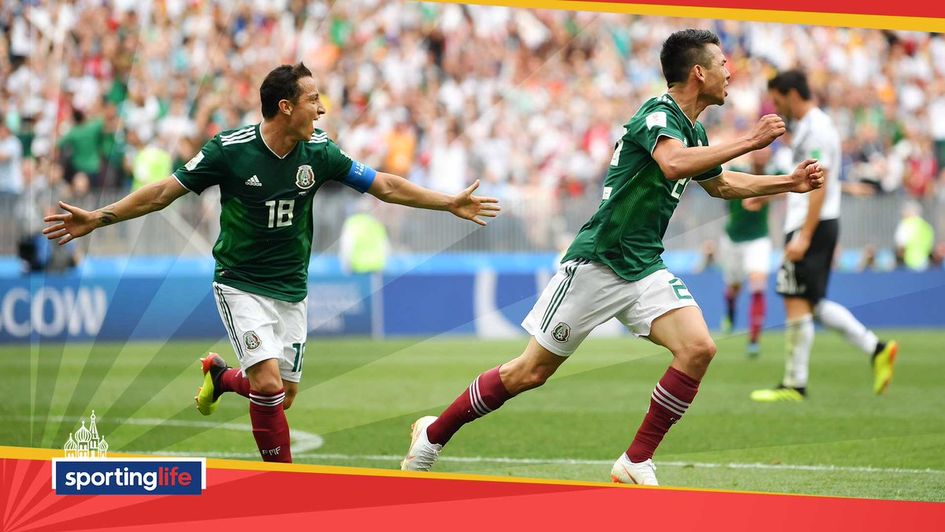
{"points": [[305, 177], [251, 339], [561, 332]]}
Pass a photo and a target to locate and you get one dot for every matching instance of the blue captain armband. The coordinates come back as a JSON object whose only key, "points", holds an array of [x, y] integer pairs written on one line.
{"points": [[360, 176]]}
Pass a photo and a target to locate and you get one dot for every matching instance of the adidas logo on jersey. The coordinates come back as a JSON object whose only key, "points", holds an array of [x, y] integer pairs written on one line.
{"points": [[253, 182]]}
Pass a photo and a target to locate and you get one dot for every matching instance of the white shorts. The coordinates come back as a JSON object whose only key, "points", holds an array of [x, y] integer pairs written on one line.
{"points": [[584, 294], [261, 328], [738, 259]]}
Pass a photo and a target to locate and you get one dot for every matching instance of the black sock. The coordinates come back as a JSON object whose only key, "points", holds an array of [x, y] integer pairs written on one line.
{"points": [[879, 349]]}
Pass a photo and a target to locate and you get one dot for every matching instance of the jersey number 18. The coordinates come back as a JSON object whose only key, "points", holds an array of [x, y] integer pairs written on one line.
{"points": [[280, 212]]}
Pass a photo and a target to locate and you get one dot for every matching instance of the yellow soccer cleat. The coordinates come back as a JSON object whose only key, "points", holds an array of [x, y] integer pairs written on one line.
{"points": [[208, 395], [883, 367], [779, 394]]}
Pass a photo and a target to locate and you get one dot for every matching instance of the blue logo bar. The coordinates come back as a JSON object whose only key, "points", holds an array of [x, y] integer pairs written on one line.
{"points": [[129, 476]]}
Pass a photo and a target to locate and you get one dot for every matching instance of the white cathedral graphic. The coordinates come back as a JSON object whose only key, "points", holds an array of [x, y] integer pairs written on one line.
{"points": [[86, 443]]}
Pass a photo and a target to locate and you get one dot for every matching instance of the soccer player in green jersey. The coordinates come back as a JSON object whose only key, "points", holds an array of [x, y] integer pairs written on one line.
{"points": [[613, 268], [745, 254], [268, 174]]}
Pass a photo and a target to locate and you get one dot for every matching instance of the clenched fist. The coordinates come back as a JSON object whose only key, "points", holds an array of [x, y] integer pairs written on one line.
{"points": [[768, 128], [808, 175]]}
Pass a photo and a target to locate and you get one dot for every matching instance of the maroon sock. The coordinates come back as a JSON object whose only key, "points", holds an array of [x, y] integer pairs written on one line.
{"points": [[668, 403], [484, 395], [233, 380], [757, 316], [270, 427], [730, 305]]}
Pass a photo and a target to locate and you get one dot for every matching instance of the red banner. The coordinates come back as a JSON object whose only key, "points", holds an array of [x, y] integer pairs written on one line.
{"points": [[333, 498]]}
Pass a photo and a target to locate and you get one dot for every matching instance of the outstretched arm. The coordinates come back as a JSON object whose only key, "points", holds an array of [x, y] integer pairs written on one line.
{"points": [[734, 185], [76, 222], [678, 162], [394, 189]]}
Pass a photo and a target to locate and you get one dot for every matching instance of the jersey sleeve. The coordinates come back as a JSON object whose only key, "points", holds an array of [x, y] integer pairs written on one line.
{"points": [[818, 145], [204, 170], [341, 167], [647, 129]]}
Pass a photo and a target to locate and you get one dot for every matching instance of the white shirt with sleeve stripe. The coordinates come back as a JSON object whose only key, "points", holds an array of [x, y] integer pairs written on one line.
{"points": [[815, 137]]}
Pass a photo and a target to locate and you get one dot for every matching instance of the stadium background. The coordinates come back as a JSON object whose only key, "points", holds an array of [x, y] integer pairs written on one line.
{"points": [[103, 97]]}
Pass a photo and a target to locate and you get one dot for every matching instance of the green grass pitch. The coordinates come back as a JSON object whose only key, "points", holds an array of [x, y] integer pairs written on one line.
{"points": [[359, 397]]}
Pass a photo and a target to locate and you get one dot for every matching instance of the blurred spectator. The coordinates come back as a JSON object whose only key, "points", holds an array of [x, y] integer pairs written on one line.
{"points": [[82, 147], [36, 253], [28, 214], [938, 255], [525, 100], [420, 87], [149, 164], [363, 244], [915, 238], [115, 168], [936, 119], [920, 168], [11, 160], [401, 147], [867, 259], [708, 258], [448, 160]]}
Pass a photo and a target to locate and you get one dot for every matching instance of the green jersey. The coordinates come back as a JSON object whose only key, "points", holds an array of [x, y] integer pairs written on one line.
{"points": [[86, 142], [266, 228], [626, 232], [743, 225]]}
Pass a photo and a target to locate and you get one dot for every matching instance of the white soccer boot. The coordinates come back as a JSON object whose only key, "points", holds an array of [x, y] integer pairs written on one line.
{"points": [[627, 472], [422, 454]]}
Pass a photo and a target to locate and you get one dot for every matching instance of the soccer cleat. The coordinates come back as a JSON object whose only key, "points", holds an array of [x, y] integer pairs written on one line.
{"points": [[754, 350], [627, 472], [422, 454], [883, 367], [208, 395], [779, 394], [726, 327]]}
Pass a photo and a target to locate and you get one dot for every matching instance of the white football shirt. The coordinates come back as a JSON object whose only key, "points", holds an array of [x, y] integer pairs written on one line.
{"points": [[815, 137]]}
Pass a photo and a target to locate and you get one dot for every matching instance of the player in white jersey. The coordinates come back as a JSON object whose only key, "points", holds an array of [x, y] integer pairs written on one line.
{"points": [[811, 229]]}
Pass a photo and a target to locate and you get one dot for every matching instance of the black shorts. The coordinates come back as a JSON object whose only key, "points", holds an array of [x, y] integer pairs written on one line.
{"points": [[808, 277]]}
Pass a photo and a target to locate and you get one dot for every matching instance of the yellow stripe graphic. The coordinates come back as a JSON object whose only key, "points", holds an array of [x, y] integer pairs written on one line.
{"points": [[755, 15]]}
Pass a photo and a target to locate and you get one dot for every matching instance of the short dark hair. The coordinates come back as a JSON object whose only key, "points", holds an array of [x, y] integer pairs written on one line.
{"points": [[790, 79], [281, 84], [682, 50]]}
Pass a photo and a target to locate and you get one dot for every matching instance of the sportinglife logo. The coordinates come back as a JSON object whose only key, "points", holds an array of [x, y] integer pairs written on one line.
{"points": [[87, 471]]}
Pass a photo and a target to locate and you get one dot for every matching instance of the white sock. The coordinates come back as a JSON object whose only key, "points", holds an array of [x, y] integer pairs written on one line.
{"points": [[799, 337], [838, 318]]}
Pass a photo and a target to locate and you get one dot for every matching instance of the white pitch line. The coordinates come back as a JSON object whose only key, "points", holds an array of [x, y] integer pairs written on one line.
{"points": [[302, 441], [570, 461]]}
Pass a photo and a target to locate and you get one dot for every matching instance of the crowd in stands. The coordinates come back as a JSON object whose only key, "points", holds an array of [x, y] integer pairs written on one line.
{"points": [[99, 95]]}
